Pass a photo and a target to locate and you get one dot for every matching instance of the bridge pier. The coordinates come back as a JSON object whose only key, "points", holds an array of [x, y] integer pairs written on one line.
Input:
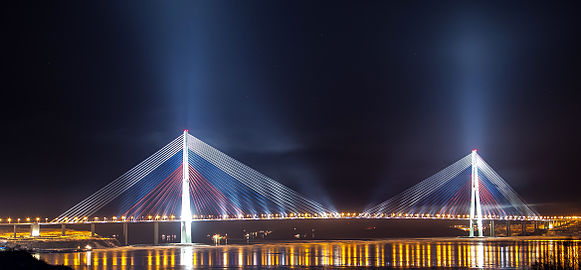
{"points": [[156, 233], [63, 229], [508, 228], [93, 229], [536, 226], [34, 229], [125, 235], [14, 230], [492, 228], [523, 227]]}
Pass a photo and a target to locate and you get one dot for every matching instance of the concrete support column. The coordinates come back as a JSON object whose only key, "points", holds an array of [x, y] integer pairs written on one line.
{"points": [[536, 226], [93, 229], [475, 205], [508, 228], [523, 227], [186, 215], [14, 230], [491, 228], [63, 229], [125, 234], [34, 229], [156, 233]]}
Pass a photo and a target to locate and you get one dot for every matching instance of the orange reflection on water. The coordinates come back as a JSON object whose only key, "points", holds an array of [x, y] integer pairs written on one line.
{"points": [[409, 253]]}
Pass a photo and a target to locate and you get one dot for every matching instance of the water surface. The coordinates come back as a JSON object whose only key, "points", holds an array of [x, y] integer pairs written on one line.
{"points": [[400, 253]]}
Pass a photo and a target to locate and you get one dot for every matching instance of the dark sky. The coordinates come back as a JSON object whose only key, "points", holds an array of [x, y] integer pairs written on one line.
{"points": [[346, 102]]}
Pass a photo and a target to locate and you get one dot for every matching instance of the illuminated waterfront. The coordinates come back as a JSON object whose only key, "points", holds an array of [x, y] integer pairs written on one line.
{"points": [[402, 253]]}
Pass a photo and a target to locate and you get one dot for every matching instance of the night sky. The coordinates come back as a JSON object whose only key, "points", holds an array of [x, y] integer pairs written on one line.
{"points": [[349, 103]]}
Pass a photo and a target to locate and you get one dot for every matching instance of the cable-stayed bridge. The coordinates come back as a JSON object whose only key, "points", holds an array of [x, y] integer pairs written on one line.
{"points": [[188, 180], [198, 180], [447, 194]]}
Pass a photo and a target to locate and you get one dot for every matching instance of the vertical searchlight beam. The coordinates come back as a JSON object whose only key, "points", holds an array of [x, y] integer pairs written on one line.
{"points": [[475, 206], [186, 216]]}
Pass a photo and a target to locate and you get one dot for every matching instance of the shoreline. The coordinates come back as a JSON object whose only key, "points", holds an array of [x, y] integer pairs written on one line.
{"points": [[58, 245]]}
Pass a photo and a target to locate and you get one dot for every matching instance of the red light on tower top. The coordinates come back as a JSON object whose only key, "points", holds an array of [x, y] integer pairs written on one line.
{"points": [[474, 150]]}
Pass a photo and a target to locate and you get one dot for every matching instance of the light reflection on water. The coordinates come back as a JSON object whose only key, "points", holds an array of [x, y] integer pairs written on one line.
{"points": [[386, 253]]}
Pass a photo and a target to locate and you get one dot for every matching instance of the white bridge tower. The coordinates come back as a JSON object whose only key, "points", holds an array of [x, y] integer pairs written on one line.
{"points": [[186, 216], [475, 207]]}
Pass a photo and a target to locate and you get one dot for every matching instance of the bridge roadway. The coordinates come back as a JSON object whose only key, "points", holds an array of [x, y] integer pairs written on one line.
{"points": [[97, 220], [547, 221]]}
